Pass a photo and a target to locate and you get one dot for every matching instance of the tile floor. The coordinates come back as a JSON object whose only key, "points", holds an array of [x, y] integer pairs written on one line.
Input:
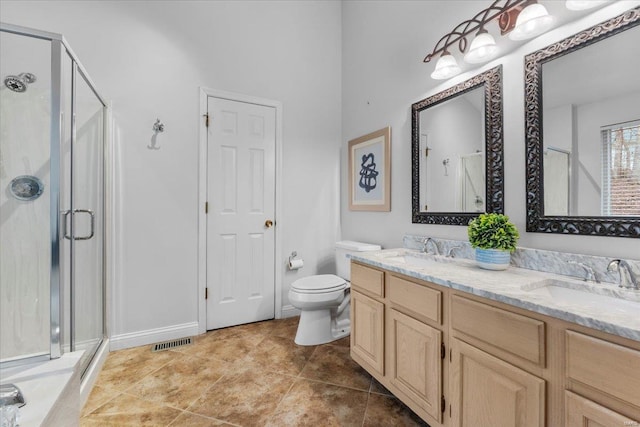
{"points": [[249, 375]]}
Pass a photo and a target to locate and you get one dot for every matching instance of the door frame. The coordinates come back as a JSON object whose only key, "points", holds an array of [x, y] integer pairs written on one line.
{"points": [[205, 93]]}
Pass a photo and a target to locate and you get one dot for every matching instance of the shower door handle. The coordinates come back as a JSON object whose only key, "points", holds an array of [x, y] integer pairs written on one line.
{"points": [[65, 214], [93, 223]]}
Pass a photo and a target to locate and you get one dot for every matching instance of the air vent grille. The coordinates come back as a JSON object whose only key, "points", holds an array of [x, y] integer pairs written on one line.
{"points": [[168, 345]]}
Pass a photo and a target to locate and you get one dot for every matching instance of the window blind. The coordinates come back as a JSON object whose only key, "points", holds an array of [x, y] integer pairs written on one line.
{"points": [[621, 169]]}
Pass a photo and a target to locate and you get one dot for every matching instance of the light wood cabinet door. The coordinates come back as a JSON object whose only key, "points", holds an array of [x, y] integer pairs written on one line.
{"points": [[488, 392], [415, 361], [581, 412], [367, 331]]}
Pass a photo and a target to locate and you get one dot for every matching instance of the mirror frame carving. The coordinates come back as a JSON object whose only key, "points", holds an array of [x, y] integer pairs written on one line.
{"points": [[536, 220], [491, 80]]}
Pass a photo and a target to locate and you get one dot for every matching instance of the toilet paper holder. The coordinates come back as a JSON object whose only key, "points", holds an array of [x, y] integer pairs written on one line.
{"points": [[295, 263]]}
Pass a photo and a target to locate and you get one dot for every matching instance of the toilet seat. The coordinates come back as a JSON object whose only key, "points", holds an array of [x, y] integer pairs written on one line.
{"points": [[319, 284]]}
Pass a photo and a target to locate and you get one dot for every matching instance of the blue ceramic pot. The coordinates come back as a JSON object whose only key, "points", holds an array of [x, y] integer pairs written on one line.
{"points": [[493, 259]]}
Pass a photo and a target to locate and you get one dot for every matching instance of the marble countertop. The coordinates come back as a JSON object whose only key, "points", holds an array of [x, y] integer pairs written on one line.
{"points": [[520, 287]]}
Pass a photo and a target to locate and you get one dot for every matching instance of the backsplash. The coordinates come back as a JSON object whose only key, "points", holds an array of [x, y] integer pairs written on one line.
{"points": [[532, 259]]}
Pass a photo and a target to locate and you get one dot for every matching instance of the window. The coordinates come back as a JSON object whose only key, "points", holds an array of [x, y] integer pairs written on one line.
{"points": [[621, 169]]}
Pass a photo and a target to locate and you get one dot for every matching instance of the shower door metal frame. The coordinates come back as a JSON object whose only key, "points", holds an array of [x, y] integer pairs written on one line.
{"points": [[60, 47]]}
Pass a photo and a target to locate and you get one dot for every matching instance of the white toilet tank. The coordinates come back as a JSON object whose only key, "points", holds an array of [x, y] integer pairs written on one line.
{"points": [[343, 264]]}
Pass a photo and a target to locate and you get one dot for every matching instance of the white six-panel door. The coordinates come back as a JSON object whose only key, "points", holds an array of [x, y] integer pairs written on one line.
{"points": [[241, 203]]}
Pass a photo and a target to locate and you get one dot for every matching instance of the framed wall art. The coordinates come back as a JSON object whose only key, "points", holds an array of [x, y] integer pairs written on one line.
{"points": [[370, 172]]}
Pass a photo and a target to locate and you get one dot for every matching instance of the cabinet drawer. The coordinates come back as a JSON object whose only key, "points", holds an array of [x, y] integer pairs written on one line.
{"points": [[417, 298], [580, 412], [607, 367], [367, 279], [516, 334]]}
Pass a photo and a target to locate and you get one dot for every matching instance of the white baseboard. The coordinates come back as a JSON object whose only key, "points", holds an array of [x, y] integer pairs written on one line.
{"points": [[289, 311], [151, 336]]}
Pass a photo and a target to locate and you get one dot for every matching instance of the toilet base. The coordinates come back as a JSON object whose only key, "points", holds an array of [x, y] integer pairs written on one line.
{"points": [[320, 327]]}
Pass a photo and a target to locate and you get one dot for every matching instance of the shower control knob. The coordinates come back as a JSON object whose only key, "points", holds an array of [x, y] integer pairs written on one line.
{"points": [[268, 223]]}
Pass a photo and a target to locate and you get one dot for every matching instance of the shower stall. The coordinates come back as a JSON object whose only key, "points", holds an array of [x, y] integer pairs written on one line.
{"points": [[52, 201]]}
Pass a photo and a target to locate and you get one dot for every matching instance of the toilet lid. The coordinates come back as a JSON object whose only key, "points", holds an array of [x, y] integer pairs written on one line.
{"points": [[319, 284]]}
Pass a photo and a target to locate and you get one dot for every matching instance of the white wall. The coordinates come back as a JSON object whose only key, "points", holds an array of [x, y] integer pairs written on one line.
{"points": [[383, 74], [149, 58]]}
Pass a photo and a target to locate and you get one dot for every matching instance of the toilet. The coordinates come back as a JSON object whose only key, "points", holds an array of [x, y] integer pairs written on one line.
{"points": [[324, 300]]}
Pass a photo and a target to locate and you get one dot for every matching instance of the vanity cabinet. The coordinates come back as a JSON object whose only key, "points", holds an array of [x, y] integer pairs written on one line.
{"points": [[397, 336], [487, 391], [457, 359], [415, 361], [367, 331]]}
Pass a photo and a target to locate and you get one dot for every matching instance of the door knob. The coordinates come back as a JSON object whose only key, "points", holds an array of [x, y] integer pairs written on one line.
{"points": [[268, 223]]}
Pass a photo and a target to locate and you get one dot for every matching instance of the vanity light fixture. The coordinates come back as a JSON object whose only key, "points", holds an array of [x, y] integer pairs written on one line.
{"points": [[583, 4], [446, 67], [483, 48], [532, 21], [521, 19]]}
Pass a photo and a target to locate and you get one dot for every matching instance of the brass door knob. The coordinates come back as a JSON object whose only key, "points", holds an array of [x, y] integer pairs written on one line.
{"points": [[268, 223]]}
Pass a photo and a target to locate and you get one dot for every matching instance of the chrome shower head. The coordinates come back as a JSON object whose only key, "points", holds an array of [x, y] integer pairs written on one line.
{"points": [[20, 82]]}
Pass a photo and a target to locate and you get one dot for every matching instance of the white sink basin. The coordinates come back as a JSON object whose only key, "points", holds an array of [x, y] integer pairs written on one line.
{"points": [[413, 261], [420, 259], [580, 294]]}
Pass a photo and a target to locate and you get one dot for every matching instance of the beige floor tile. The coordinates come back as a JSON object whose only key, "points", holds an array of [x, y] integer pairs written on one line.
{"points": [[280, 355], [98, 397], [257, 328], [124, 368], [378, 388], [311, 403], [389, 411], [342, 342], [286, 328], [126, 410], [246, 399], [192, 420], [244, 375], [180, 382], [228, 350], [333, 364]]}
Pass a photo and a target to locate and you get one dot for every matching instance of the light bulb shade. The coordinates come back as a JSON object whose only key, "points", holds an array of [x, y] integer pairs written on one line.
{"points": [[583, 4], [483, 48], [532, 21], [446, 67]]}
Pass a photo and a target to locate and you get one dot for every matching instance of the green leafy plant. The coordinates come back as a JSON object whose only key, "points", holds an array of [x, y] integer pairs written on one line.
{"points": [[493, 231]]}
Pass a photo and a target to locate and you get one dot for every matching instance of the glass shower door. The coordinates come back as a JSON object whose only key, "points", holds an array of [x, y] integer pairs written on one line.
{"points": [[87, 296]]}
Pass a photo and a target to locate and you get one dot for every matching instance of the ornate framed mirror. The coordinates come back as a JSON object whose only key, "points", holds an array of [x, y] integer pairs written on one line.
{"points": [[457, 152], [582, 129]]}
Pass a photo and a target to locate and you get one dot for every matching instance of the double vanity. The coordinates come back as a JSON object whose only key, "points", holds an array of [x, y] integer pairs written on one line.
{"points": [[462, 346], [535, 345]]}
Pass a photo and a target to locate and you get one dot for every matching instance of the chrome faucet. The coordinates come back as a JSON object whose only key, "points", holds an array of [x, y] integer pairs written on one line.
{"points": [[590, 275], [434, 244], [451, 251], [10, 394], [628, 278]]}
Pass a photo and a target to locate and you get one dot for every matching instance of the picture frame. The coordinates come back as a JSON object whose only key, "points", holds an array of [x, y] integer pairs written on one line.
{"points": [[370, 172]]}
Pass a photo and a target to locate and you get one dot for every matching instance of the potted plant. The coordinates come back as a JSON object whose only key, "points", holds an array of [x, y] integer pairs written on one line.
{"points": [[494, 238]]}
